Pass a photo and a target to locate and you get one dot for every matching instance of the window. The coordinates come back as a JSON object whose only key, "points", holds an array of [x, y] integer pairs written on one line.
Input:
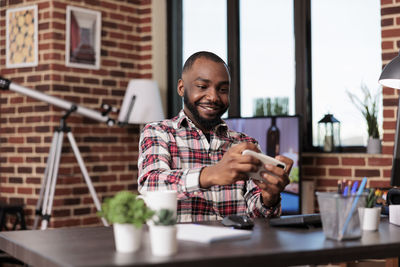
{"points": [[204, 28], [309, 51], [266, 53], [346, 53]]}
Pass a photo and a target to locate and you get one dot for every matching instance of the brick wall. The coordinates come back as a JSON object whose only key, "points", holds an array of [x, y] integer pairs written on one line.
{"points": [[326, 169], [26, 125]]}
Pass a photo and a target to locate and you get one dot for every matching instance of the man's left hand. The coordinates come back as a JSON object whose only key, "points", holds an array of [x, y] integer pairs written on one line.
{"points": [[275, 181]]}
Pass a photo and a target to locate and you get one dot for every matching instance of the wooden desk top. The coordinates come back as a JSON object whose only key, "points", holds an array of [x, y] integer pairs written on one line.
{"points": [[94, 246]]}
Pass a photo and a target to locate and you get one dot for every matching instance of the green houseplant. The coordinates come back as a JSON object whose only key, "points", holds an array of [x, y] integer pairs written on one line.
{"points": [[370, 214], [369, 108], [163, 233], [127, 213]]}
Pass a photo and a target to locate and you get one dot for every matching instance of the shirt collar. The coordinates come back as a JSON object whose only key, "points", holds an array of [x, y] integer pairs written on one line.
{"points": [[183, 121]]}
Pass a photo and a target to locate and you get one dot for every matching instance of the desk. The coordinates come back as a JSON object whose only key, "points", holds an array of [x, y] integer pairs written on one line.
{"points": [[94, 246]]}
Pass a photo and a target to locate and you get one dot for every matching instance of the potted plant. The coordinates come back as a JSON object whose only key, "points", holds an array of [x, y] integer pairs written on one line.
{"points": [[370, 215], [369, 107], [127, 213], [163, 233]]}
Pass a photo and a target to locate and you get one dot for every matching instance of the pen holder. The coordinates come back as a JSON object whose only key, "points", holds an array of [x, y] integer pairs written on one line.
{"points": [[339, 214]]}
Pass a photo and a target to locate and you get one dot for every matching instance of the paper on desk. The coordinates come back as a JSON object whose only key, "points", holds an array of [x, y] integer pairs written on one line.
{"points": [[208, 234]]}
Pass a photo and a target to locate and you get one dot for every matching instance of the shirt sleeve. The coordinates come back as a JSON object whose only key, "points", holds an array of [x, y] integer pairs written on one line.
{"points": [[154, 166], [255, 206]]}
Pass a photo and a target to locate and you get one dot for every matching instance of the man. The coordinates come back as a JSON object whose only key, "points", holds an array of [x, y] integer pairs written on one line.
{"points": [[198, 156]]}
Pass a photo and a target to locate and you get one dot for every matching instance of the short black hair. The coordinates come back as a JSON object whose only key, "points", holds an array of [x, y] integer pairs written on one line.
{"points": [[202, 54]]}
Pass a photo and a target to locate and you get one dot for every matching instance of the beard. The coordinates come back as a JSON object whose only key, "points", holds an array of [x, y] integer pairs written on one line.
{"points": [[207, 124]]}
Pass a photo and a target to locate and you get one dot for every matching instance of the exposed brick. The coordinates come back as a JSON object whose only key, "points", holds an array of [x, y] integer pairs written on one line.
{"points": [[311, 171], [367, 173], [339, 172], [353, 161], [81, 211], [379, 161], [327, 161], [379, 184], [390, 11]]}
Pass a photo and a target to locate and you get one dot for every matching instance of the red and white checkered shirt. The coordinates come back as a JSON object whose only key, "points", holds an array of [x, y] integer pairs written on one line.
{"points": [[171, 156]]}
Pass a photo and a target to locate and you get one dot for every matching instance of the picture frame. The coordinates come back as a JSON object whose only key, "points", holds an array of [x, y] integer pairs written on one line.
{"points": [[22, 37], [83, 33]]}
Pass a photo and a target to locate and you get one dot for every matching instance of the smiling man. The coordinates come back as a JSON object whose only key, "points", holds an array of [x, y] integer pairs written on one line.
{"points": [[198, 156]]}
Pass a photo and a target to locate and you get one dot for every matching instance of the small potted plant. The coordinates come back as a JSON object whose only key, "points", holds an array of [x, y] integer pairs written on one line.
{"points": [[163, 233], [369, 108], [370, 215], [127, 213]]}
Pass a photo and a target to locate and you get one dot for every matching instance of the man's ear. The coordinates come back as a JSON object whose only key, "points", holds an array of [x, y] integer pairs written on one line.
{"points": [[181, 88]]}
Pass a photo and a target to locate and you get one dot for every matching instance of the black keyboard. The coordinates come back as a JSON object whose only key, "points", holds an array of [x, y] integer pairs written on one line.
{"points": [[300, 220]]}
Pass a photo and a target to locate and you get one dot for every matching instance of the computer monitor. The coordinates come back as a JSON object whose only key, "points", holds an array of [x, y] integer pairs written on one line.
{"points": [[289, 146]]}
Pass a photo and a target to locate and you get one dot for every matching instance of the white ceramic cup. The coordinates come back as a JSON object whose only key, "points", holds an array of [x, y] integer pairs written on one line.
{"points": [[156, 200]]}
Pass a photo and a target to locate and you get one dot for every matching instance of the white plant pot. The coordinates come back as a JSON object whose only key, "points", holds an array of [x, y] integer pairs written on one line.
{"points": [[127, 237], [369, 218], [163, 240], [374, 146]]}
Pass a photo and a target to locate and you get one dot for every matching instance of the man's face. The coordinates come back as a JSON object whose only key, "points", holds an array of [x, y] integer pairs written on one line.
{"points": [[205, 90]]}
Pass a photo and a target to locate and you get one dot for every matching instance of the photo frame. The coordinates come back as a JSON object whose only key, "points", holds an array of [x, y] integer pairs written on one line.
{"points": [[83, 33], [22, 37]]}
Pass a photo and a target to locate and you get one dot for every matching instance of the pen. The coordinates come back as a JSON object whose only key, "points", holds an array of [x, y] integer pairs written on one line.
{"points": [[354, 188], [339, 187], [349, 183], [345, 191]]}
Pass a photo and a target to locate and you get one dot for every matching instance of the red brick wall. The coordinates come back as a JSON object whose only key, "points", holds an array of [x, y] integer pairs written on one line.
{"points": [[26, 125], [326, 169]]}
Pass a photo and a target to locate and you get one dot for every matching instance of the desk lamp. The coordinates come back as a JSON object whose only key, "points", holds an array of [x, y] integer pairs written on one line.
{"points": [[142, 103], [390, 77]]}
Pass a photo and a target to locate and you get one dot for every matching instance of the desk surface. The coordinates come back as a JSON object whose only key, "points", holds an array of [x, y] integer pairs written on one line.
{"points": [[94, 246]]}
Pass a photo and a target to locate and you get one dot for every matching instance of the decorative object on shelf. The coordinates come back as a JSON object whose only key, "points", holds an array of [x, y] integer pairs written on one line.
{"points": [[83, 32], [273, 137], [163, 233], [127, 213], [22, 37], [369, 107], [329, 133], [370, 215]]}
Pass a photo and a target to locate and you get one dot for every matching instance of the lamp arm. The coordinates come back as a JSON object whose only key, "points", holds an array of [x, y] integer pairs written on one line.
{"points": [[61, 103]]}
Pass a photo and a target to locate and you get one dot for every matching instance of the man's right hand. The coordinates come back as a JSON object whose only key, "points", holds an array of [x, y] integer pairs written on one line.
{"points": [[231, 168]]}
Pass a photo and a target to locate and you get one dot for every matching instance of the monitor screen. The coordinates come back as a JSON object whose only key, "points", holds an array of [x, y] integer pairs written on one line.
{"points": [[289, 146]]}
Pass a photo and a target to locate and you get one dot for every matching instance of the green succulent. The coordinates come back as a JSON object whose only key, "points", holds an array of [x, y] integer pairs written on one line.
{"points": [[125, 207], [164, 217]]}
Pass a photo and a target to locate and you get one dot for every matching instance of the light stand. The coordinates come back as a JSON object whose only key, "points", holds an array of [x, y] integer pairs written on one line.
{"points": [[47, 190]]}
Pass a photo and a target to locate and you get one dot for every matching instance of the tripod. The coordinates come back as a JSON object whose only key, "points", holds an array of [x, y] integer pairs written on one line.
{"points": [[47, 190]]}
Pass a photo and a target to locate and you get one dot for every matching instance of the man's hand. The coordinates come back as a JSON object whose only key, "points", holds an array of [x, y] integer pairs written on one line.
{"points": [[231, 168], [274, 181]]}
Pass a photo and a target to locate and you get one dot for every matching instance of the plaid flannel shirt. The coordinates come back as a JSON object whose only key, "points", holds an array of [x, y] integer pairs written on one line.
{"points": [[172, 154]]}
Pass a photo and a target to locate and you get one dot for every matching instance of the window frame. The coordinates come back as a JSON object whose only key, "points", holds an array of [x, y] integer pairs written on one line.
{"points": [[303, 68]]}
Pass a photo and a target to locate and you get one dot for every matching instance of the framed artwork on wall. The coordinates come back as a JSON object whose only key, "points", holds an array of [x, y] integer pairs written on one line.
{"points": [[83, 32], [22, 37]]}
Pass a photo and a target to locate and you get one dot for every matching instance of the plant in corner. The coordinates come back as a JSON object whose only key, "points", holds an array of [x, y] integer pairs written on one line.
{"points": [[127, 213], [163, 233], [369, 107]]}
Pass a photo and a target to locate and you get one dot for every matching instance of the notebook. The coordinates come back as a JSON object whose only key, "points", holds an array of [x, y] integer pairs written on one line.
{"points": [[208, 234]]}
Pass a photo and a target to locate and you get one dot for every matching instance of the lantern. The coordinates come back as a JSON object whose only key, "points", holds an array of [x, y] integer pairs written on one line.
{"points": [[329, 133]]}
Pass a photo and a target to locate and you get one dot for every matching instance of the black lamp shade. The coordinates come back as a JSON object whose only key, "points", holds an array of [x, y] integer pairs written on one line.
{"points": [[390, 75]]}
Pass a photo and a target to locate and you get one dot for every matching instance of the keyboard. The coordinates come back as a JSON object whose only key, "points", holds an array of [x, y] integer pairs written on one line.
{"points": [[300, 220]]}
